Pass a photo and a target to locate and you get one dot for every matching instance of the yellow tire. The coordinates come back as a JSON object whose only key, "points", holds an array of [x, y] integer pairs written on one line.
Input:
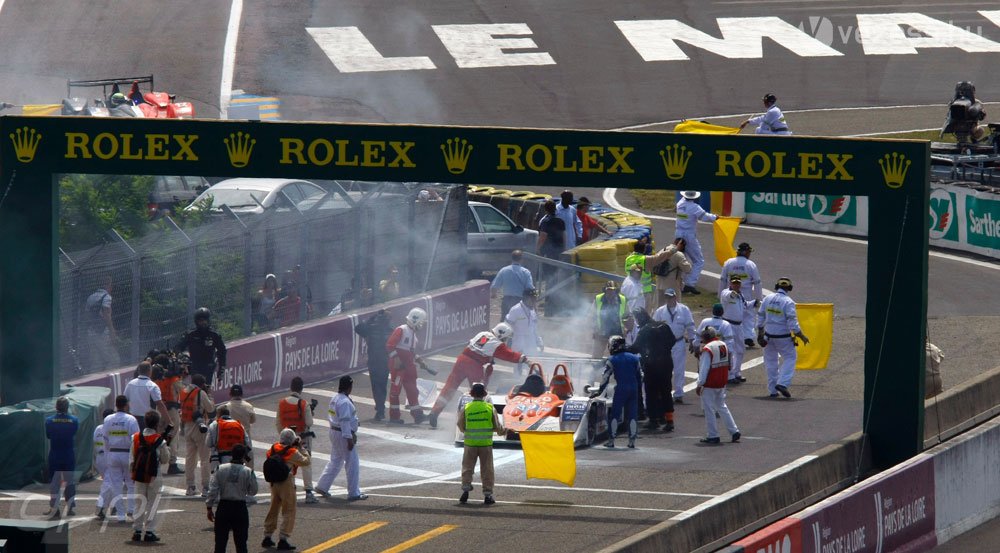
{"points": [[597, 252]]}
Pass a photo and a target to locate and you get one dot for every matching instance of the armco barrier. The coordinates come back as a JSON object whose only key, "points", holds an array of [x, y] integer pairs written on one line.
{"points": [[920, 503], [326, 349]]}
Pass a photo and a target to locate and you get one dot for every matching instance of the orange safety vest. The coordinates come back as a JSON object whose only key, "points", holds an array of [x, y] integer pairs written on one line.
{"points": [[189, 404], [292, 414], [230, 433], [167, 389], [286, 454]]}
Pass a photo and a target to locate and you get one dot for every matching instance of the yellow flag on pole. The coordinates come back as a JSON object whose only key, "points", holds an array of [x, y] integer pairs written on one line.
{"points": [[816, 320], [701, 127], [724, 229], [549, 456]]}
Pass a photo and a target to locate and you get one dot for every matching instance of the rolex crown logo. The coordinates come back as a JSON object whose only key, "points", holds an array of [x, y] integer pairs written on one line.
{"points": [[25, 143], [894, 169], [239, 146], [675, 160], [456, 154]]}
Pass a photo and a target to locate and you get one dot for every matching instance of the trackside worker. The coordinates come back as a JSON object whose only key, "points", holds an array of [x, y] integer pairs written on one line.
{"points": [[772, 121], [230, 486], [119, 429], [149, 451], [646, 264], [475, 363], [688, 215], [611, 312], [745, 269], [104, 497], [170, 388], [777, 323], [283, 493], [343, 418], [479, 423], [295, 413], [402, 349], [196, 405], [223, 434], [713, 371], [678, 317], [61, 429], [734, 306]]}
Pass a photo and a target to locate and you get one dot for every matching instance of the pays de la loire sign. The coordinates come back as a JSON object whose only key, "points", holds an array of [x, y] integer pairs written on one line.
{"points": [[506, 157], [658, 40]]}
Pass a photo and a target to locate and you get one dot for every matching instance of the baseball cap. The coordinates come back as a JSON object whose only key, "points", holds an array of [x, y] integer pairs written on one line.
{"points": [[634, 267], [236, 390], [736, 279], [670, 293]]}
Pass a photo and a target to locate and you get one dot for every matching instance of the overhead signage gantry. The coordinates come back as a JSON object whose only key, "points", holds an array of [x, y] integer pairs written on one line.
{"points": [[894, 174]]}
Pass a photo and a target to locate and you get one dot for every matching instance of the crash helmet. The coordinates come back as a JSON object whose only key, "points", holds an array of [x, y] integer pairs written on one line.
{"points": [[478, 390], [416, 318], [784, 283], [118, 99], [770, 98], [744, 248], [641, 317], [616, 344], [503, 331], [203, 314], [708, 334]]}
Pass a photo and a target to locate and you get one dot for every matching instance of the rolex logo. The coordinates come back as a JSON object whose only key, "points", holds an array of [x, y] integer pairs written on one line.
{"points": [[894, 169], [456, 154], [239, 146], [25, 143], [675, 161]]}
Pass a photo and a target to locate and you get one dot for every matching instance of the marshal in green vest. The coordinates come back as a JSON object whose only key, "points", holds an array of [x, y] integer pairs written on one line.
{"points": [[478, 423]]}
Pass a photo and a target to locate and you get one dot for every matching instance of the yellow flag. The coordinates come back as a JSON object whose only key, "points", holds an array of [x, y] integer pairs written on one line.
{"points": [[41, 109], [549, 456], [701, 127], [816, 320], [724, 230]]}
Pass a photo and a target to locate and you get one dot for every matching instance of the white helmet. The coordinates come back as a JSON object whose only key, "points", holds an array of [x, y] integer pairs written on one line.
{"points": [[416, 318], [503, 331]]}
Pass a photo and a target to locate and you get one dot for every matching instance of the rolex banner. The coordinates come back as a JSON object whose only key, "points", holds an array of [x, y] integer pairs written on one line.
{"points": [[816, 320], [724, 230]]}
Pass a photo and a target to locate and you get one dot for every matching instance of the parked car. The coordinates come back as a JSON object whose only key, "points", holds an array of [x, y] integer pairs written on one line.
{"points": [[491, 238], [171, 193], [259, 195]]}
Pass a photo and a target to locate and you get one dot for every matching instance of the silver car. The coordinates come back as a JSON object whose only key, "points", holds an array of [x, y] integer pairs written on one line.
{"points": [[491, 238]]}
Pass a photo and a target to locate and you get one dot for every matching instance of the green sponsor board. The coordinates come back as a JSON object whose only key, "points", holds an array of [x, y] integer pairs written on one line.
{"points": [[982, 222], [823, 209], [943, 215]]}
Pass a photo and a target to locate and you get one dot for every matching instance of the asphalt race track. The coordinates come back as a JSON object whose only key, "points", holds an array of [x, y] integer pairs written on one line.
{"points": [[579, 71]]}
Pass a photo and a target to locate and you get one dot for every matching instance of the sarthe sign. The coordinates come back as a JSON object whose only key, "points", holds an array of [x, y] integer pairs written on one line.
{"points": [[465, 155]]}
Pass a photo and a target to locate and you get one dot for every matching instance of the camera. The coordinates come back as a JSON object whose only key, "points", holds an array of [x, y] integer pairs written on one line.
{"points": [[308, 434], [166, 433], [199, 420], [312, 405]]}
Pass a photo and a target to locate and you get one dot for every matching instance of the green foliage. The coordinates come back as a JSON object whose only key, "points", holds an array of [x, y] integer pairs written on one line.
{"points": [[91, 205]]}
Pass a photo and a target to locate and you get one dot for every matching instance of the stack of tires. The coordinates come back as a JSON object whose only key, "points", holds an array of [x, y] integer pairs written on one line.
{"points": [[599, 255]]}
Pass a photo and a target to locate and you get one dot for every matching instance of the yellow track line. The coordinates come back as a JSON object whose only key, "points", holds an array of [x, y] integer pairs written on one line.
{"points": [[346, 536], [444, 528]]}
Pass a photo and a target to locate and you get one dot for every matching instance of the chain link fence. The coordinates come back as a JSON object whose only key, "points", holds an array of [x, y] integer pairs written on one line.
{"points": [[125, 297]]}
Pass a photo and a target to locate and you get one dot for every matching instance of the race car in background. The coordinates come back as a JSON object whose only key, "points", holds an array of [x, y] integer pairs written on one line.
{"points": [[547, 406], [114, 103]]}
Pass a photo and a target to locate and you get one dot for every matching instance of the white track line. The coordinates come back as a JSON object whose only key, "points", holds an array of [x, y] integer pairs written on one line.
{"points": [[229, 57], [609, 199], [533, 503]]}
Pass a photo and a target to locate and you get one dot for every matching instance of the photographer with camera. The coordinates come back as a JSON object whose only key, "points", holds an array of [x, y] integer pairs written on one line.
{"points": [[293, 413], [164, 374], [288, 457], [196, 404], [149, 451], [223, 434], [205, 346]]}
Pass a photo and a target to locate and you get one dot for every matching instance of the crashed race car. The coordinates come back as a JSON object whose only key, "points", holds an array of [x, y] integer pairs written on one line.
{"points": [[553, 406], [114, 103]]}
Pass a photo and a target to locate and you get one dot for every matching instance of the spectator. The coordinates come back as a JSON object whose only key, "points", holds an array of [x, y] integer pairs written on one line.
{"points": [[591, 226], [288, 310], [264, 301], [428, 195], [512, 281], [297, 276], [61, 429], [566, 212], [388, 288], [101, 336], [932, 370]]}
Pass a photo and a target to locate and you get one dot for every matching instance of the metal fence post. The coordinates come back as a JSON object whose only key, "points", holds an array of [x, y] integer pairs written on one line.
{"points": [[136, 262], [191, 268]]}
